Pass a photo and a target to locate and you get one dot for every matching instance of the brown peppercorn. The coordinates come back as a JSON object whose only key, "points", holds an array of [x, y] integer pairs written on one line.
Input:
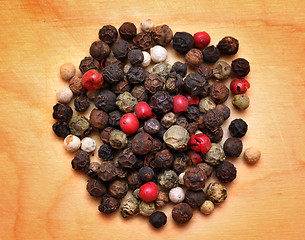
{"points": [[113, 74], [233, 147], [81, 103], [157, 145], [161, 102], [133, 180], [194, 198], [228, 45], [120, 172], [240, 67], [105, 134], [194, 57], [127, 159], [141, 143], [96, 188], [238, 128], [81, 160], [62, 112], [120, 49], [76, 86], [192, 128], [162, 199], [87, 64], [152, 126], [216, 192], [61, 129], [112, 60], [118, 189], [93, 169], [179, 68], [168, 119], [219, 92], [183, 42], [205, 71], [225, 110], [136, 75], [192, 113], [213, 119], [153, 83], [182, 213], [143, 41], [146, 174], [162, 34], [139, 92], [114, 118], [98, 119], [128, 30], [194, 179], [194, 83], [226, 172], [163, 159], [108, 34], [107, 171], [99, 50], [181, 161], [206, 168], [108, 204], [106, 152], [182, 121], [121, 87], [135, 57], [211, 54], [105, 100], [174, 82]]}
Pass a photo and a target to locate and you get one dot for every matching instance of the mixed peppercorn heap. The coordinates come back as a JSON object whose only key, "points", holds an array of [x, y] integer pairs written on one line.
{"points": [[164, 124]]}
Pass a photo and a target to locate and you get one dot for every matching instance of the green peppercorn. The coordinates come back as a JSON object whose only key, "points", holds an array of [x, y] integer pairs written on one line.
{"points": [[206, 104], [118, 139], [216, 192], [126, 102], [129, 207], [146, 208], [176, 137], [215, 155], [221, 70], [241, 101], [79, 125], [168, 179], [162, 69]]}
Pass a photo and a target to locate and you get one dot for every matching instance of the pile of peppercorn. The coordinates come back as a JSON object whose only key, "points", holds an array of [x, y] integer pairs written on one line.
{"points": [[163, 125]]}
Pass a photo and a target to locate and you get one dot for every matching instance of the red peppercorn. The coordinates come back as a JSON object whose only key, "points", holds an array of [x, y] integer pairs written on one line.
{"points": [[149, 192], [239, 86], [92, 80], [193, 100], [129, 123], [180, 104], [200, 143], [143, 110], [201, 39], [194, 157]]}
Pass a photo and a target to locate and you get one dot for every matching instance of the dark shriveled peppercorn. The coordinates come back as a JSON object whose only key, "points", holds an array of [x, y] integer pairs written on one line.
{"points": [[93, 169], [135, 57], [194, 83], [107, 171], [108, 34], [194, 179], [233, 147], [118, 189], [163, 159], [206, 168], [113, 74], [219, 93], [62, 112], [120, 49], [153, 83], [139, 92], [215, 136], [127, 159], [108, 204], [194, 198], [114, 118], [99, 50], [105, 134], [174, 82], [152, 126], [182, 213], [180, 68], [238, 128], [225, 110], [213, 119], [112, 60], [211, 54], [183, 42], [98, 119], [128, 30], [162, 34], [181, 161], [81, 103], [61, 129], [136, 75], [226, 172], [146, 174], [141, 143], [158, 219], [205, 71], [121, 87], [105, 100], [106, 152], [194, 57], [87, 64], [134, 180], [240, 67], [161, 102], [228, 45], [192, 113], [96, 188], [81, 160], [143, 41]]}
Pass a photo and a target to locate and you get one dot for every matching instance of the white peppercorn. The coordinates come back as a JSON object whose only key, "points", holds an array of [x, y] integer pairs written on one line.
{"points": [[252, 155], [180, 178], [207, 207], [88, 144], [147, 59], [72, 143], [158, 54], [67, 71], [147, 25], [64, 95], [176, 195], [168, 119]]}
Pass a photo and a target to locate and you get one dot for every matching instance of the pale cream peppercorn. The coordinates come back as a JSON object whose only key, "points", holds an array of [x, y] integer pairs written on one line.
{"points": [[158, 54], [88, 144], [147, 59], [147, 25], [67, 71], [126, 67], [180, 178], [176, 195], [64, 95], [252, 155], [168, 119], [72, 143], [198, 132], [207, 207]]}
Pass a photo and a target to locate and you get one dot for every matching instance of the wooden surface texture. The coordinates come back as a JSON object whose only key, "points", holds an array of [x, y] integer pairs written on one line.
{"points": [[43, 198]]}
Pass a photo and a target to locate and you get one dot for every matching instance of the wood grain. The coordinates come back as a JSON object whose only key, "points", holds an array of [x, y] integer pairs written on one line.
{"points": [[43, 198]]}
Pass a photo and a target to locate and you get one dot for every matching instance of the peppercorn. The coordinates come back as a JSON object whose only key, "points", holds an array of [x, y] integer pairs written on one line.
{"points": [[163, 159], [96, 188], [194, 83], [205, 71], [194, 157], [194, 57], [61, 129], [240, 67], [98, 119], [162, 199], [192, 128], [147, 59], [213, 119], [143, 41], [135, 57], [127, 159], [108, 34], [241, 102], [158, 54], [129, 207], [221, 70], [67, 71], [182, 213], [111, 60], [168, 119], [180, 163], [183, 42], [88, 63], [162, 69], [206, 168], [168, 179], [199, 143], [128, 30], [62, 112], [192, 113], [206, 104], [64, 95], [233, 147], [211, 54], [136, 75], [215, 155], [174, 82], [113, 74], [252, 155], [118, 189], [194, 179], [80, 126], [158, 219], [141, 143], [72, 143], [176, 195], [81, 160], [179, 68], [114, 118], [162, 34], [219, 93], [133, 180], [157, 145], [126, 102], [207, 207], [176, 137], [153, 83], [105, 134], [226, 172], [228, 45], [120, 172], [149, 192], [106, 152], [107, 171], [194, 198], [180, 178], [161, 132], [76, 86], [99, 50], [139, 92], [239, 86], [118, 139], [216, 192], [108, 204], [225, 110], [238, 128], [81, 103], [120, 49], [161, 102], [152, 126], [93, 169], [182, 121], [88, 144], [147, 25], [146, 208], [146, 174]]}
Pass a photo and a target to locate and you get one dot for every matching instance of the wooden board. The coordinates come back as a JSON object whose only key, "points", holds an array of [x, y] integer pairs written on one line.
{"points": [[43, 198]]}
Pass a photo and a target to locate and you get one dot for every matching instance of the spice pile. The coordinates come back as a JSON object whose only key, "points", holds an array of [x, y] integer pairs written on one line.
{"points": [[163, 125]]}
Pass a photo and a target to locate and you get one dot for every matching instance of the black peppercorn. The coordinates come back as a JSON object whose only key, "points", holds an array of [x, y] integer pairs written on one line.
{"points": [[226, 172], [105, 134], [81, 103], [133, 180], [162, 34], [139, 92], [108, 204], [135, 57], [215, 136], [61, 129], [120, 49], [112, 60], [121, 87], [108, 171], [194, 179], [158, 219], [87, 64], [98, 119], [161, 132], [106, 152], [146, 174], [141, 143], [182, 121], [213, 119], [114, 118], [136, 75], [211, 54], [205, 71], [93, 169], [118, 189], [233, 147], [128, 30], [113, 74], [240, 67], [81, 160], [219, 92], [108, 34], [194, 83], [174, 82], [180, 68], [153, 83], [238, 128], [228, 45], [127, 159], [105, 100], [194, 198], [225, 110], [161, 102], [143, 41], [183, 42], [99, 50], [62, 112], [182, 213], [181, 161], [163, 159], [96, 188], [152, 126], [192, 113]]}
